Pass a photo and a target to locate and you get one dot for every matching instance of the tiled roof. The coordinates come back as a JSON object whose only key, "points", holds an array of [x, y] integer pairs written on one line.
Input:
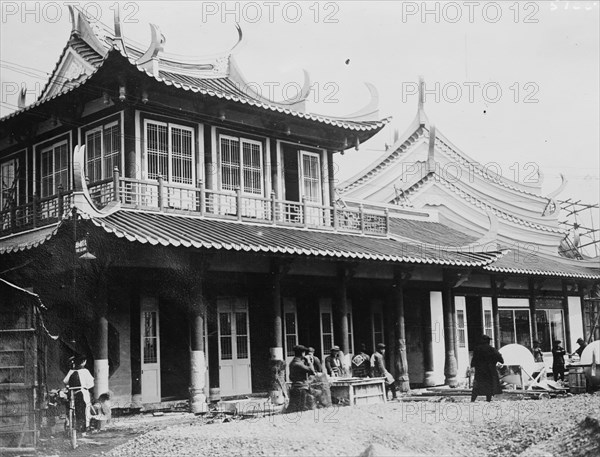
{"points": [[223, 88], [27, 240], [533, 263], [432, 233], [175, 230], [476, 202]]}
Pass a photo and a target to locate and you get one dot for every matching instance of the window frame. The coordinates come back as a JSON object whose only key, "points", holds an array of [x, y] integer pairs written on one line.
{"points": [[318, 180], [15, 162], [52, 148], [102, 128], [241, 167], [170, 126]]}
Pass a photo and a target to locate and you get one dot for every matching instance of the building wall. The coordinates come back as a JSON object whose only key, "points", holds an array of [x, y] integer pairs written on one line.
{"points": [[120, 381]]}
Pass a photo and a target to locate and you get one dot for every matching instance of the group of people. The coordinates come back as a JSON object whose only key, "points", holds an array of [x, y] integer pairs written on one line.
{"points": [[306, 365], [558, 357], [486, 358]]}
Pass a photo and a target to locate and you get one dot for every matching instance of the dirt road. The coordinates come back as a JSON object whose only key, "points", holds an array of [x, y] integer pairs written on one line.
{"points": [[444, 427]]}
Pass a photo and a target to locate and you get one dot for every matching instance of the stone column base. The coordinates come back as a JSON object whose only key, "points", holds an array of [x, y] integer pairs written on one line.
{"points": [[197, 380], [429, 380]]}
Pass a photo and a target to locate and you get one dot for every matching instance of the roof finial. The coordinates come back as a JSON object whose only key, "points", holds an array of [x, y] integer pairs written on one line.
{"points": [[119, 42], [149, 61], [22, 97], [431, 150], [421, 109]]}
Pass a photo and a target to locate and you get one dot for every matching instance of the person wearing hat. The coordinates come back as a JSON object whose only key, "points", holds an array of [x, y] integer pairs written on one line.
{"points": [[380, 371], [487, 381], [558, 361], [79, 381], [300, 370], [582, 346], [333, 364]]}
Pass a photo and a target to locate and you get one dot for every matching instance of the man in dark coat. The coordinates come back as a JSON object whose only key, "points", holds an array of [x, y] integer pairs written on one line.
{"points": [[300, 369], [484, 361], [558, 361]]}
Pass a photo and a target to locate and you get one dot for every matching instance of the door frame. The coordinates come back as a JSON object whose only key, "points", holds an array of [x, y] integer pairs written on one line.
{"points": [[150, 304], [233, 305]]}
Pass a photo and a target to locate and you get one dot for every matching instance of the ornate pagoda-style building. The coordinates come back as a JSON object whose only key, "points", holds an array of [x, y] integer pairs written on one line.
{"points": [[184, 232], [543, 289]]}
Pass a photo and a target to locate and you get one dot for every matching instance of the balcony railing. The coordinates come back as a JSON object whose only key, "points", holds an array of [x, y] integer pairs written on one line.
{"points": [[37, 213], [157, 195]]}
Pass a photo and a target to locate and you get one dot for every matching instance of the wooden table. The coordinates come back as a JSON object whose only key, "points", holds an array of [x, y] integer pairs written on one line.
{"points": [[358, 391]]}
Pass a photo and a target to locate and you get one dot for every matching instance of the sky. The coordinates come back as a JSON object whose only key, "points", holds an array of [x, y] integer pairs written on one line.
{"points": [[515, 83]]}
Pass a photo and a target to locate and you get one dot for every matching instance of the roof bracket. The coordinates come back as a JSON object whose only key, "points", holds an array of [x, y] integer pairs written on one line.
{"points": [[150, 60]]}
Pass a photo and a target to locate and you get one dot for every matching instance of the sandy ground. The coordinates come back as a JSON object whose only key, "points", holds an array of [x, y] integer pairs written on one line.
{"points": [[442, 426]]}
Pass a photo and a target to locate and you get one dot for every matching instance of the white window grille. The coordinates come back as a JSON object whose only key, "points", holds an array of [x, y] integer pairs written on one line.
{"points": [[241, 165], [170, 152], [103, 151], [311, 176], [54, 169]]}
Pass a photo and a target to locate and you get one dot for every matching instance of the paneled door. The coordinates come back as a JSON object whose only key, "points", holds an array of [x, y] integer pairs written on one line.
{"points": [[290, 329], [234, 346], [150, 350], [462, 338]]}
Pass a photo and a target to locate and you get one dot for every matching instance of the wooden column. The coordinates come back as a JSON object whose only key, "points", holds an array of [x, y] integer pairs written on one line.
{"points": [[427, 337], [331, 177], [344, 275], [277, 360], [450, 364], [101, 371], [136, 350], [495, 313], [197, 351], [400, 360], [565, 306], [532, 308]]}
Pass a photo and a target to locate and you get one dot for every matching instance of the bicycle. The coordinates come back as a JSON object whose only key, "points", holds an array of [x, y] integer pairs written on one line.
{"points": [[72, 418]]}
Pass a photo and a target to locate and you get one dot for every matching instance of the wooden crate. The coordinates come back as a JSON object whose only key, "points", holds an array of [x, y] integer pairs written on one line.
{"points": [[359, 391]]}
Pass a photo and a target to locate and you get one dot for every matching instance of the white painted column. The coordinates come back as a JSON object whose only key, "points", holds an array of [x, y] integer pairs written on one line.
{"points": [[437, 336], [101, 362], [575, 321], [198, 365]]}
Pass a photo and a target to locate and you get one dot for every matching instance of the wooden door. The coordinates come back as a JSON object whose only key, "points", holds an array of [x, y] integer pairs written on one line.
{"points": [[150, 351], [234, 346]]}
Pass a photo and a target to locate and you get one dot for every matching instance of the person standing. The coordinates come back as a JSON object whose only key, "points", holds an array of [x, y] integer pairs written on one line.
{"points": [[380, 371], [333, 364], [79, 381], [582, 346], [538, 355], [314, 360], [361, 364], [300, 370], [485, 358], [558, 361]]}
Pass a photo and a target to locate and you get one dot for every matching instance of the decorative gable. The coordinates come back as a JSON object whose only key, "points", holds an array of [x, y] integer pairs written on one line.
{"points": [[70, 70]]}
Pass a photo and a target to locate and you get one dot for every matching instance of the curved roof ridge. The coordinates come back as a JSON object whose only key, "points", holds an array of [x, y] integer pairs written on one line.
{"points": [[479, 203], [478, 167], [374, 168]]}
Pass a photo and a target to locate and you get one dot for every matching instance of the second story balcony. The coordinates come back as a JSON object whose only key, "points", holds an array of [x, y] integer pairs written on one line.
{"points": [[160, 196]]}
